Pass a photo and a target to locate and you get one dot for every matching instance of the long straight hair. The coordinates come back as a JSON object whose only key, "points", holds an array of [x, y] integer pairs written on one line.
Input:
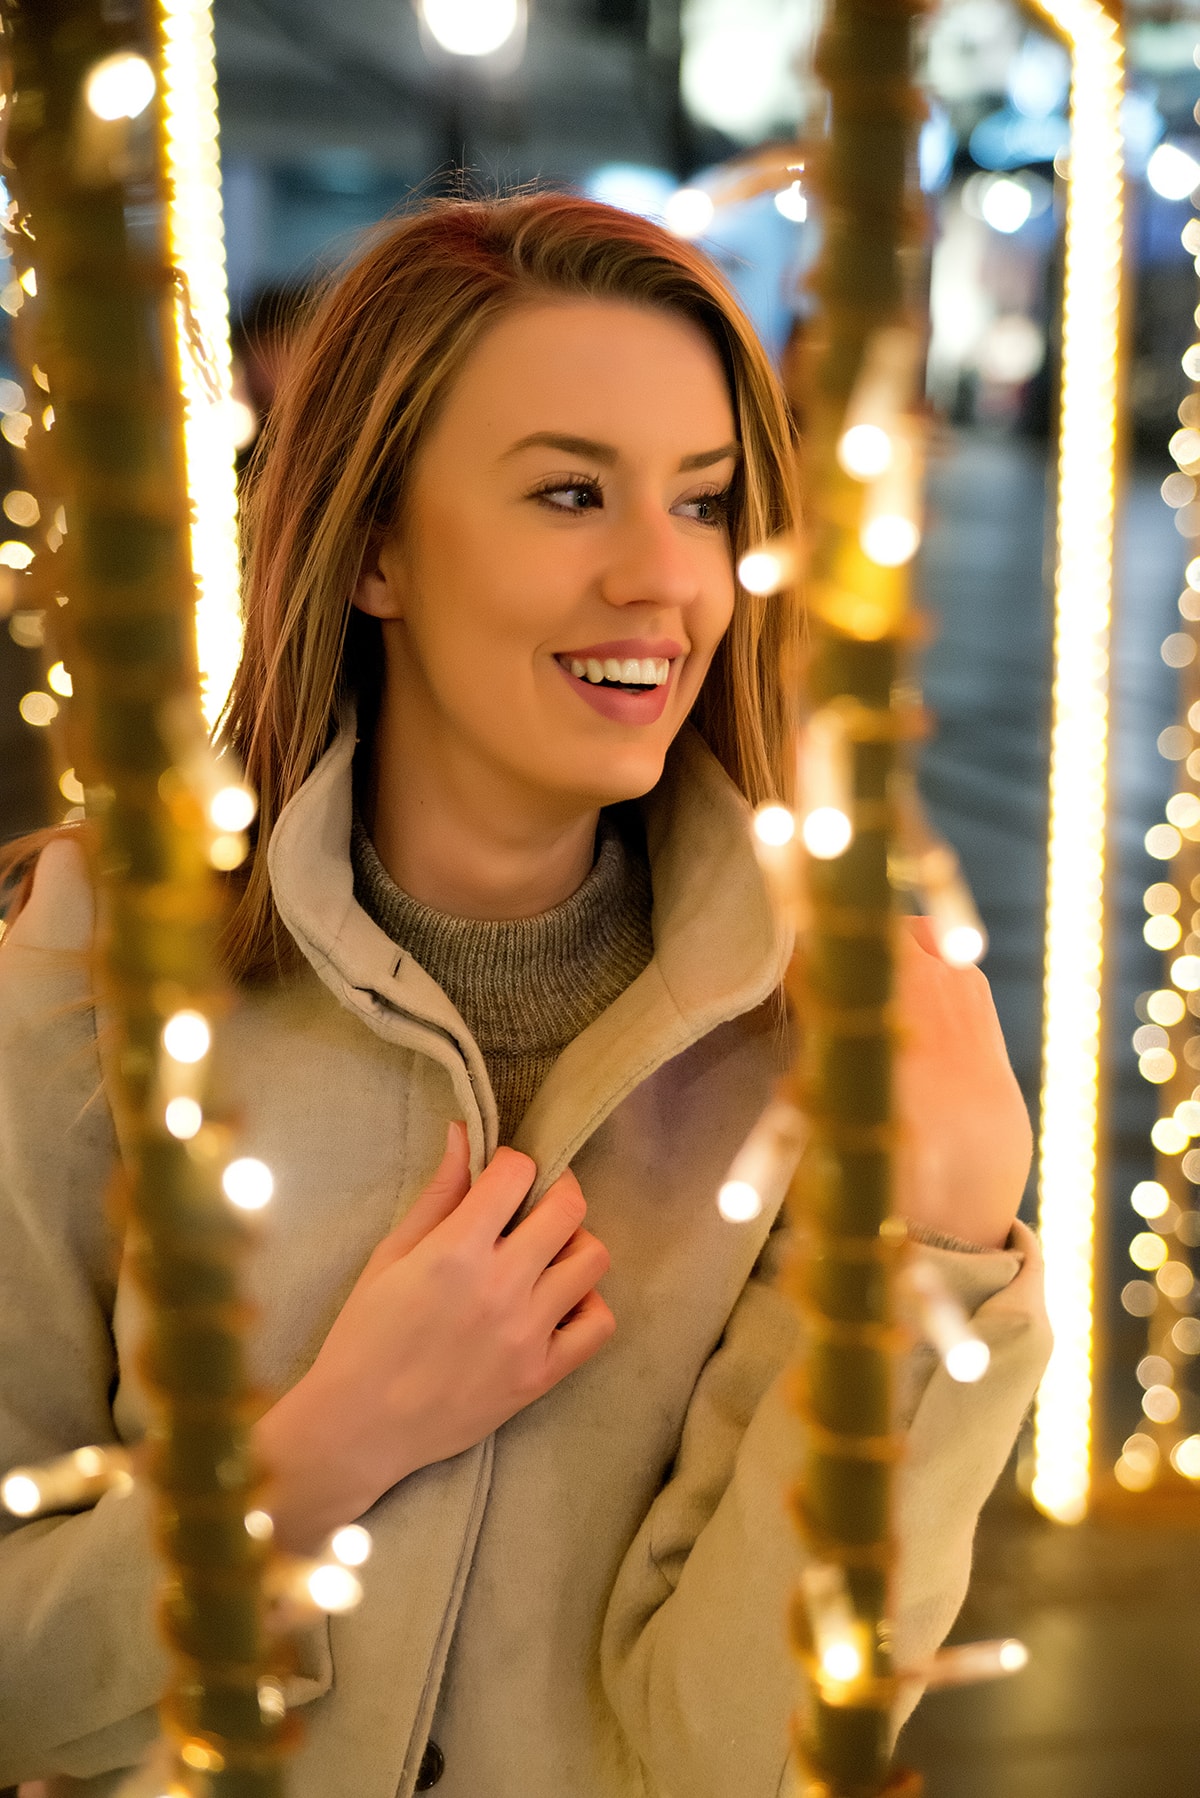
{"points": [[365, 378]]}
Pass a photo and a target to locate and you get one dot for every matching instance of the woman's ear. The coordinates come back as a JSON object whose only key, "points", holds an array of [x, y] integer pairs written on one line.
{"points": [[380, 587]]}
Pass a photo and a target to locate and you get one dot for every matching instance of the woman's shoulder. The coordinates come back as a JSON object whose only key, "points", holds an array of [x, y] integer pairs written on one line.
{"points": [[58, 909]]}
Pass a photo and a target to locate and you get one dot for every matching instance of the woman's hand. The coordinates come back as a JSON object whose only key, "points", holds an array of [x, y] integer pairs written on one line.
{"points": [[967, 1140], [450, 1329]]}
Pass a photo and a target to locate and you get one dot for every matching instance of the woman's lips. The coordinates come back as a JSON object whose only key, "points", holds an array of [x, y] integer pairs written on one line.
{"points": [[622, 707]]}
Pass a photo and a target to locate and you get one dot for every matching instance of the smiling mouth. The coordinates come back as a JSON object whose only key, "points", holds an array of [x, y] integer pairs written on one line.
{"points": [[623, 674]]}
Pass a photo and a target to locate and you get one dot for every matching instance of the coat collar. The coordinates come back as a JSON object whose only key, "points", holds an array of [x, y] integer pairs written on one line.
{"points": [[718, 950]]}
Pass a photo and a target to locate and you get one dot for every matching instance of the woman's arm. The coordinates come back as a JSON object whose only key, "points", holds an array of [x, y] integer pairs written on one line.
{"points": [[694, 1656]]}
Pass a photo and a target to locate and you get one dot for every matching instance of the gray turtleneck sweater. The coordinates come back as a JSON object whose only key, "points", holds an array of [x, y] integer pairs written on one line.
{"points": [[527, 987]]}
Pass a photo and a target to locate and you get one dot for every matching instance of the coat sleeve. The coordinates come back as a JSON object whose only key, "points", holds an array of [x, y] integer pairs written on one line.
{"points": [[694, 1654], [81, 1665]]}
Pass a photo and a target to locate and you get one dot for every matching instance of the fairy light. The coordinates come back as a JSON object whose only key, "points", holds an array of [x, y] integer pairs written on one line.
{"points": [[197, 241], [764, 1164], [232, 809], [248, 1183], [186, 1036], [120, 87], [765, 570], [351, 1545], [334, 1588], [1067, 1150], [183, 1117]]}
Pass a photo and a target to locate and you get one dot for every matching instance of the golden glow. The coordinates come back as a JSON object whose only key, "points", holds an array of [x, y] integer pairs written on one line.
{"points": [[351, 1545], [1067, 1150], [1147, 1250], [1185, 1457], [248, 1183], [767, 569], [827, 833], [864, 451], [21, 507], [119, 87], [202, 322], [21, 1495], [38, 708], [334, 1588], [774, 825], [232, 808], [183, 1118], [58, 680], [186, 1037], [1149, 1198]]}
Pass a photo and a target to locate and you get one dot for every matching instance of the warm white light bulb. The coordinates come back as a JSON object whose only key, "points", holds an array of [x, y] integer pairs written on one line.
{"points": [[248, 1183], [183, 1118], [186, 1037], [865, 451], [774, 824], [351, 1545], [21, 1495], [962, 945], [232, 808], [827, 833], [967, 1361], [334, 1588], [841, 1661], [689, 212], [471, 27], [890, 539], [120, 87], [738, 1202]]}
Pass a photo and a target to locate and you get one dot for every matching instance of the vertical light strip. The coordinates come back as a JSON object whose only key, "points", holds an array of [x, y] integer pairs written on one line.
{"points": [[197, 240], [1078, 755]]}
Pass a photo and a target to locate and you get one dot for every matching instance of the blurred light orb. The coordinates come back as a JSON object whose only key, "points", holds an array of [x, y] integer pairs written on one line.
{"points": [[792, 204], [1162, 932], [186, 1037], [233, 808], [260, 1525], [1161, 1404], [764, 571], [891, 539], [1156, 1065], [1175, 1280], [1169, 1138], [1147, 1250], [1185, 972], [351, 1545], [334, 1588], [1178, 489], [1162, 896], [183, 1118], [1165, 1007], [1175, 742], [738, 1202], [1172, 173], [120, 87], [1185, 1457], [774, 824], [1139, 1298], [471, 27], [1005, 205], [841, 1661], [967, 1361], [21, 1495], [1162, 841], [827, 832], [689, 212], [1149, 1198], [248, 1183], [865, 451], [21, 507], [59, 681], [961, 946], [38, 709]]}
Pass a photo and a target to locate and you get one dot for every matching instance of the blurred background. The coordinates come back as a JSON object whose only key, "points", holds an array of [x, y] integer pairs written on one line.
{"points": [[333, 116]]}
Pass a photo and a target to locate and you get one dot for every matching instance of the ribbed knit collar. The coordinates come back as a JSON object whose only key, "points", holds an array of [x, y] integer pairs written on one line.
{"points": [[527, 986]]}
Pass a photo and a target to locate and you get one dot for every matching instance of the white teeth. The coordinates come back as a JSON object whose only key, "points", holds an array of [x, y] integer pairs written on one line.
{"points": [[646, 671]]}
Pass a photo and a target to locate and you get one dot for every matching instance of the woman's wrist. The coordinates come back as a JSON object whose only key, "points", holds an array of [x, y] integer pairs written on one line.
{"points": [[315, 1484]]}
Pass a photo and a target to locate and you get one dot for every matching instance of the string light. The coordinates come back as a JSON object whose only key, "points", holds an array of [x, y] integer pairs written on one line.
{"points": [[1067, 1150], [765, 570], [197, 243], [120, 87], [764, 1164], [186, 1036], [248, 1183]]}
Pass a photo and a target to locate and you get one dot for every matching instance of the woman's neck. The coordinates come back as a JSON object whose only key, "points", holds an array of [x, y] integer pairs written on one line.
{"points": [[465, 843]]}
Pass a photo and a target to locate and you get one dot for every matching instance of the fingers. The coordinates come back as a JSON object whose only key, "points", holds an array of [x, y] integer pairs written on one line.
{"points": [[495, 1196], [568, 1279], [588, 1328], [550, 1226], [444, 1193]]}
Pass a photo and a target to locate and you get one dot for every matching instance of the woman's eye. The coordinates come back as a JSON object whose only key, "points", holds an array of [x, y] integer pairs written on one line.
{"points": [[707, 508], [572, 496]]}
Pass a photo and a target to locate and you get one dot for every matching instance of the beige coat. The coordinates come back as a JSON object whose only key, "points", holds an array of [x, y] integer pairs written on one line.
{"points": [[590, 1603]]}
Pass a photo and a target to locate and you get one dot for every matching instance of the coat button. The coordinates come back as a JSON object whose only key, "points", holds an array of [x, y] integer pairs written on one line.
{"points": [[433, 1765]]}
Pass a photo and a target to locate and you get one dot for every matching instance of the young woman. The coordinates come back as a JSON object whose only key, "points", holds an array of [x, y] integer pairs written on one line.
{"points": [[506, 961]]}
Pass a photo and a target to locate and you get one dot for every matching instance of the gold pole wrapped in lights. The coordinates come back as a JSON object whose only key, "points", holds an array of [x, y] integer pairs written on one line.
{"points": [[830, 862], [1163, 1454], [1067, 1149], [95, 328]]}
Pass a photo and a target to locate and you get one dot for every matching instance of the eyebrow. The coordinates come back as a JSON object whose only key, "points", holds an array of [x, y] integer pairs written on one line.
{"points": [[606, 454]]}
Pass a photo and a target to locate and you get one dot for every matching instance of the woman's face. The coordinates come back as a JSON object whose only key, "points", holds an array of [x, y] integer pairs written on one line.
{"points": [[562, 574]]}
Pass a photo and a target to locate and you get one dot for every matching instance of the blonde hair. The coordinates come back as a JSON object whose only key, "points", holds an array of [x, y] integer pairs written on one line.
{"points": [[363, 384]]}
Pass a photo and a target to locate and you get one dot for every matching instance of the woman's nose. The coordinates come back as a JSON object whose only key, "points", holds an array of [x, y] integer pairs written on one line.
{"points": [[650, 562]]}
